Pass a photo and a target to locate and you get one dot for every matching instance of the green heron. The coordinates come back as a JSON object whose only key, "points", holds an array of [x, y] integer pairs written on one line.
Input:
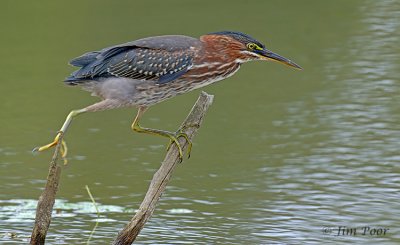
{"points": [[147, 71]]}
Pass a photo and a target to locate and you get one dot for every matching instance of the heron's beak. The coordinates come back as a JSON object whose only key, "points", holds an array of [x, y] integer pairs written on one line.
{"points": [[265, 54]]}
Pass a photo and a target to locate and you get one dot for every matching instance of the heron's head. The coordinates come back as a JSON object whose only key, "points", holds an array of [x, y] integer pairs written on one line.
{"points": [[244, 48]]}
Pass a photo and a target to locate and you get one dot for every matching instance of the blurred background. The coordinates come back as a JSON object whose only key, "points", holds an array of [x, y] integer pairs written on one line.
{"points": [[283, 156]]}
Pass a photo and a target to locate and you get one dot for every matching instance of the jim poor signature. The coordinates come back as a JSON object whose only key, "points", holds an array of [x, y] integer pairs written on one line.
{"points": [[364, 231]]}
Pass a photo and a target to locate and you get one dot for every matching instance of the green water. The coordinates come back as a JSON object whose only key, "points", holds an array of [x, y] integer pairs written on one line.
{"points": [[283, 157]]}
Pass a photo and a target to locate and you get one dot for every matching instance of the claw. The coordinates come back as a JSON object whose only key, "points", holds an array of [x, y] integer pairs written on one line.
{"points": [[174, 140], [189, 150], [176, 137], [48, 146], [63, 148], [64, 151]]}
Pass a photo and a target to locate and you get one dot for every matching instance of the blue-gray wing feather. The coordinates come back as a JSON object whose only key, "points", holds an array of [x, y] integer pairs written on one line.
{"points": [[160, 59]]}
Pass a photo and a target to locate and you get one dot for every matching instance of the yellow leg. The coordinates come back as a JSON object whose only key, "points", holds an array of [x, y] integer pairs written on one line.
{"points": [[172, 136], [64, 148]]}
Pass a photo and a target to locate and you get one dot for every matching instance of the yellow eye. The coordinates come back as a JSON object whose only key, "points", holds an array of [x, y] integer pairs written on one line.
{"points": [[251, 46]]}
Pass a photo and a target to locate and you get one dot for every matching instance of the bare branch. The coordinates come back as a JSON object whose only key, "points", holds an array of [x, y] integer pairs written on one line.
{"points": [[46, 200], [162, 176]]}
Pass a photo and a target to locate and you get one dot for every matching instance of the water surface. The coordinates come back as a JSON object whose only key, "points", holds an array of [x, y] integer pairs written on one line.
{"points": [[283, 157]]}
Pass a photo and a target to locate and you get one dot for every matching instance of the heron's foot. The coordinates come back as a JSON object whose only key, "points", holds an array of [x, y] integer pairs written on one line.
{"points": [[177, 135], [63, 148], [173, 139]]}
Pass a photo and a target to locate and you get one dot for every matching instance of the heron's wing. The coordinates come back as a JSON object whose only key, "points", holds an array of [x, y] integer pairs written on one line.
{"points": [[142, 63], [160, 59]]}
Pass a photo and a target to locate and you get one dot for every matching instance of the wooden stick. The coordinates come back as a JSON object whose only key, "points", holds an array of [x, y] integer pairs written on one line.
{"points": [[162, 176], [46, 200]]}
